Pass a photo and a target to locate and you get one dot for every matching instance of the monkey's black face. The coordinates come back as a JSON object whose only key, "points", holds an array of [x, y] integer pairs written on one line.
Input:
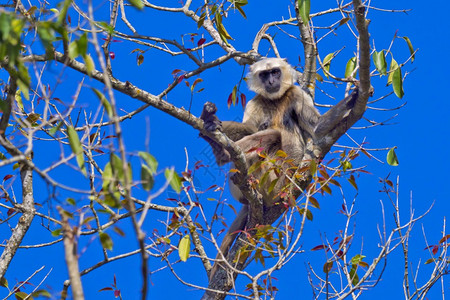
{"points": [[271, 80]]}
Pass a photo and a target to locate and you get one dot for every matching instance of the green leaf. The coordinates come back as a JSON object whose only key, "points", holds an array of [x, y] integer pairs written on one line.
{"points": [[346, 165], [71, 201], [174, 180], [391, 158], [56, 232], [397, 83], [343, 21], [104, 102], [201, 20], [393, 66], [184, 247], [106, 241], [109, 186], [327, 62], [410, 46], [353, 275], [350, 67], [379, 60], [308, 213], [55, 129], [82, 44], [24, 88], [255, 166], [63, 13], [5, 25], [150, 160], [21, 295], [313, 167], [109, 29], [41, 293], [224, 35], [77, 148], [272, 185], [233, 95], [90, 65], [304, 8], [137, 3], [46, 34], [3, 282], [241, 11], [73, 50], [118, 169], [147, 180], [357, 259], [107, 176], [32, 119], [18, 99]]}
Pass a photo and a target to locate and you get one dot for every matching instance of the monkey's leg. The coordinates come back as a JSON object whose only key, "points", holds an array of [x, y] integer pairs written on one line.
{"points": [[237, 225], [236, 131], [269, 140]]}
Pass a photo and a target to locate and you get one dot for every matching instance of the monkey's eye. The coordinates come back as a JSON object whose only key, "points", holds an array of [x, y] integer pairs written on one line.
{"points": [[276, 72], [264, 75]]}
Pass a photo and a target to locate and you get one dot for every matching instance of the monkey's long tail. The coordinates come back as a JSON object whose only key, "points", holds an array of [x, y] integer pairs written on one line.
{"points": [[235, 227]]}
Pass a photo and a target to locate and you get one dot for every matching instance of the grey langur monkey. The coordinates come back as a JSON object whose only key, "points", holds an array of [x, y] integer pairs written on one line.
{"points": [[280, 117]]}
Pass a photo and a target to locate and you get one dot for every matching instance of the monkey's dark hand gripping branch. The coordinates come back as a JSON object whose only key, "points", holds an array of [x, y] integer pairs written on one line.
{"points": [[212, 123]]}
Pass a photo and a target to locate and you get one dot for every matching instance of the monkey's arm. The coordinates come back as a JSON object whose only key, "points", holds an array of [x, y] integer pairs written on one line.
{"points": [[328, 121], [234, 130]]}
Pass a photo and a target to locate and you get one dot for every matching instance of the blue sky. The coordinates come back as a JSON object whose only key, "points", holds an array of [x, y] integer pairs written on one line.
{"points": [[420, 131]]}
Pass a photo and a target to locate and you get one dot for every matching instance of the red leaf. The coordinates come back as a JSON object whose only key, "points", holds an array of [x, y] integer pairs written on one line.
{"points": [[10, 212], [319, 247], [7, 177], [112, 55], [435, 249], [201, 42], [243, 100], [116, 293], [176, 71], [106, 289], [444, 239], [180, 78], [230, 100]]}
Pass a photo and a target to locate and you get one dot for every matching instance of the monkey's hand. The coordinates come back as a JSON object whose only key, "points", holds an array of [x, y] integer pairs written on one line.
{"points": [[211, 123]]}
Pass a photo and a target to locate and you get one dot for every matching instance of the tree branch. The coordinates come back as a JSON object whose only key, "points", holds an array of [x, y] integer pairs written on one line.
{"points": [[26, 173]]}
